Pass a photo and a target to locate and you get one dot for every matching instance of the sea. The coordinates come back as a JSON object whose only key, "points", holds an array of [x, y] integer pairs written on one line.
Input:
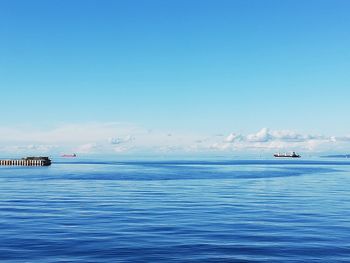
{"points": [[96, 210]]}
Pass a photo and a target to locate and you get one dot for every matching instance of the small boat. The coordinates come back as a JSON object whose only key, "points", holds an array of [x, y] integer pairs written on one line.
{"points": [[286, 155], [69, 155]]}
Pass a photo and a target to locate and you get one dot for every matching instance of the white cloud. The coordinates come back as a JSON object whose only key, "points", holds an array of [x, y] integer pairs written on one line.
{"points": [[341, 139], [265, 139], [121, 140], [112, 137], [29, 148], [68, 132], [233, 137], [261, 136], [87, 148]]}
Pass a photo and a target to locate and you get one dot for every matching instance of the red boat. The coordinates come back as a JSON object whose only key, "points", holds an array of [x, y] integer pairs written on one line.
{"points": [[69, 155]]}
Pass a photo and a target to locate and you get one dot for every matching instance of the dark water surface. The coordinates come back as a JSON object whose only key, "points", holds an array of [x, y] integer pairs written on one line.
{"points": [[241, 211]]}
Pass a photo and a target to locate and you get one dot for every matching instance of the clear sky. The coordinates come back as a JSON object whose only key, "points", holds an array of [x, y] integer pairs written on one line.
{"points": [[208, 67]]}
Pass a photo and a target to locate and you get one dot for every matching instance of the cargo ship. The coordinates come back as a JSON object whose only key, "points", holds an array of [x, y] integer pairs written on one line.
{"points": [[27, 161], [286, 155]]}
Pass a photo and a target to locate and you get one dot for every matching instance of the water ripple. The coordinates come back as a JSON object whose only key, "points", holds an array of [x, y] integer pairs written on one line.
{"points": [[175, 212]]}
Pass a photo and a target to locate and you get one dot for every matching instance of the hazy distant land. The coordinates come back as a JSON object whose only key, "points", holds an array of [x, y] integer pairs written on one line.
{"points": [[337, 156]]}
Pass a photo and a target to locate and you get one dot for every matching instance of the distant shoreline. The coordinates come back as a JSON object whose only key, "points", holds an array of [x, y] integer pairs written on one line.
{"points": [[337, 156]]}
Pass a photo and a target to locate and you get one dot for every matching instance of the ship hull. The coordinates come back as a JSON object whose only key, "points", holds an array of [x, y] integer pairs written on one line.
{"points": [[286, 156]]}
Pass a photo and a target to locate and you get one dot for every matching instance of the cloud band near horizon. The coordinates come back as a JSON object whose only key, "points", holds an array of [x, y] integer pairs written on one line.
{"points": [[118, 138]]}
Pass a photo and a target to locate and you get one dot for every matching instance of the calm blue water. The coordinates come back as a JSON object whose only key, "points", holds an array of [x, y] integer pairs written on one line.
{"points": [[239, 211]]}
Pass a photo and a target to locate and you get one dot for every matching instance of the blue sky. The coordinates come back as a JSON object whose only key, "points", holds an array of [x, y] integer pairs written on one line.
{"points": [[201, 68]]}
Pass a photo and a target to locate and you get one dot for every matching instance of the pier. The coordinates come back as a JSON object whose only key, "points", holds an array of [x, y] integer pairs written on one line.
{"points": [[28, 161]]}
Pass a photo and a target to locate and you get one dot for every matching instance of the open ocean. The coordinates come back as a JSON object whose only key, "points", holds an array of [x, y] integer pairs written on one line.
{"points": [[176, 211]]}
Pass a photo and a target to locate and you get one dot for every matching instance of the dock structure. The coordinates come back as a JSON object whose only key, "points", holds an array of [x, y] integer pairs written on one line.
{"points": [[28, 161]]}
